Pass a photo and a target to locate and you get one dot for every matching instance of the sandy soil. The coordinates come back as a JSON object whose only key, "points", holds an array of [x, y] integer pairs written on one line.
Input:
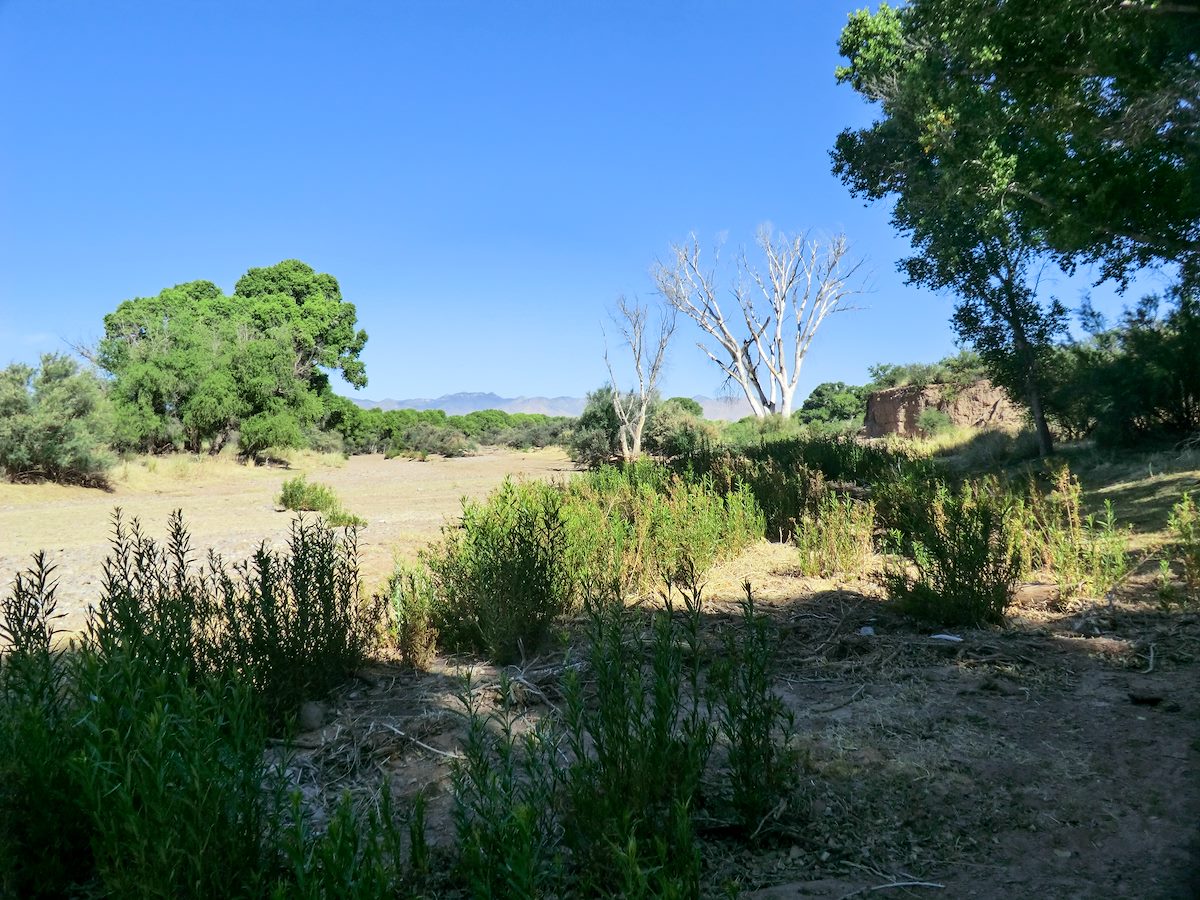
{"points": [[231, 508]]}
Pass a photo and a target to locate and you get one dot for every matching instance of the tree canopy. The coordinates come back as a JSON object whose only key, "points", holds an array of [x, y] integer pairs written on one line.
{"points": [[191, 365], [1076, 120]]}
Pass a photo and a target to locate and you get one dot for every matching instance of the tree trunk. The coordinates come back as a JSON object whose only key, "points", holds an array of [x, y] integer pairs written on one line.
{"points": [[1033, 395]]}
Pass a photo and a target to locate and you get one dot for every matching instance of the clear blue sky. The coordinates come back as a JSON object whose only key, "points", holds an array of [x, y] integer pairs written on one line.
{"points": [[484, 178]]}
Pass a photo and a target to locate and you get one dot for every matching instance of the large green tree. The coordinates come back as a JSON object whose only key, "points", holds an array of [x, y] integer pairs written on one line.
{"points": [[1010, 130], [191, 365], [1080, 117], [54, 422]]}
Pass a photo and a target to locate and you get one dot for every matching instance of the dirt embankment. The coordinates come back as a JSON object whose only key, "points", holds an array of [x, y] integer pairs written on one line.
{"points": [[978, 405]]}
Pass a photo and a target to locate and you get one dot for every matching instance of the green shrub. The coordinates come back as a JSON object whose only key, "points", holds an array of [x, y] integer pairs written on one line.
{"points": [[756, 727], [301, 495], [44, 842], [501, 577], [171, 774], [505, 804], [54, 423], [412, 595], [1184, 524], [836, 539], [965, 559], [933, 421], [639, 746], [293, 624]]}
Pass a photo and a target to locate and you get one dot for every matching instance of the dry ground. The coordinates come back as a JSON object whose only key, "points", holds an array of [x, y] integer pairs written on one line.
{"points": [[231, 508]]}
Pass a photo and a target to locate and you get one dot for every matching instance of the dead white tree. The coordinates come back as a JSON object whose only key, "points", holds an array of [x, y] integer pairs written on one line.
{"points": [[633, 406], [781, 308]]}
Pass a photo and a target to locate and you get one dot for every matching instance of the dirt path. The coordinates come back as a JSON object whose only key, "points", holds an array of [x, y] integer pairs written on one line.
{"points": [[231, 508]]}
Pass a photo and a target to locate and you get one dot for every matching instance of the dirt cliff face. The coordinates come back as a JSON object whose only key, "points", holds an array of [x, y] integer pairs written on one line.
{"points": [[978, 405]]}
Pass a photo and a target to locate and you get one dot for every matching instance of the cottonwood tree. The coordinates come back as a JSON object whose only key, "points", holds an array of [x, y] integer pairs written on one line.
{"points": [[762, 345], [1081, 116], [648, 347]]}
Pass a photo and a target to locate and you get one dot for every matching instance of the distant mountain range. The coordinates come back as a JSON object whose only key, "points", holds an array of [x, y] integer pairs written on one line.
{"points": [[727, 408]]}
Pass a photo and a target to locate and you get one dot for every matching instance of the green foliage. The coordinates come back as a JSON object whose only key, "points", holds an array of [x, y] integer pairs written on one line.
{"points": [[596, 436], [292, 623], [505, 803], [675, 430], [501, 577], [132, 764], [44, 842], [1057, 113], [962, 548], [933, 421], [757, 728], [833, 402], [1134, 383], [1184, 524], [960, 370], [836, 537], [54, 423], [1086, 555], [301, 495], [413, 596], [171, 776], [193, 367], [518, 561]]}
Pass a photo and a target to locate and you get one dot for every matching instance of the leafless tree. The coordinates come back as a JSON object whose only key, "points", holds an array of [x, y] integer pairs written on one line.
{"points": [[633, 407], [780, 309]]}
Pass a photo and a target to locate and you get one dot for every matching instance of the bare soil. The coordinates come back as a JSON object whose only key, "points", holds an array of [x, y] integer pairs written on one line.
{"points": [[232, 509]]}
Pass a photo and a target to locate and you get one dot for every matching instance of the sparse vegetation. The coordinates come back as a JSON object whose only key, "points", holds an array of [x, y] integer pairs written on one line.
{"points": [[301, 495]]}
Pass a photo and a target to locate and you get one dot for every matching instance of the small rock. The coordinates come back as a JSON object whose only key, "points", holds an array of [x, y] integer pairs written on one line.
{"points": [[312, 715], [866, 631]]}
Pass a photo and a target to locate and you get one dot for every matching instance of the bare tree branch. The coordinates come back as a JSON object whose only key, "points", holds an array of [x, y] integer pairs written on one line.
{"points": [[633, 407], [781, 306]]}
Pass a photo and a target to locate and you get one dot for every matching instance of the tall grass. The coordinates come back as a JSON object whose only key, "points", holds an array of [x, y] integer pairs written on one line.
{"points": [[1087, 555], [837, 538]]}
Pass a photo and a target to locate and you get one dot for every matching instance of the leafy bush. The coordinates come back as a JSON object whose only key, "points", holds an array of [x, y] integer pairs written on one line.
{"points": [[837, 537], [292, 624], [933, 422], [44, 842], [132, 764], [301, 495], [501, 578], [1133, 383], [676, 430], [833, 402], [963, 368], [964, 555], [595, 438], [54, 423]]}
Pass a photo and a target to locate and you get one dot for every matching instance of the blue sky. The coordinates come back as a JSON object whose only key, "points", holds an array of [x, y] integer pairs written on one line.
{"points": [[483, 178]]}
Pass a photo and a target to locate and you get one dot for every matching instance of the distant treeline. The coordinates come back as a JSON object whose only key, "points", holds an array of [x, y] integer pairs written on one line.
{"points": [[412, 432]]}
